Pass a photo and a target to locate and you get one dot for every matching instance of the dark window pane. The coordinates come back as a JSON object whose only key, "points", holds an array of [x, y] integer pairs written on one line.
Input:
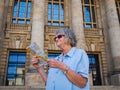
{"points": [[53, 55], [49, 11], [94, 25], [14, 14], [12, 69], [62, 24], [55, 23], [49, 23], [22, 3], [21, 15], [21, 21], [86, 1], [29, 10], [14, 21], [61, 12], [55, 0], [88, 26], [15, 6], [87, 14], [93, 14], [92, 1], [55, 17], [13, 59], [28, 22], [22, 9], [29, 4], [28, 15], [56, 12], [15, 9], [49, 17]]}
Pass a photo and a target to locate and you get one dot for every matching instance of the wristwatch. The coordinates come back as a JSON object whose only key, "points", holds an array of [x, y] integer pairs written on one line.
{"points": [[66, 70]]}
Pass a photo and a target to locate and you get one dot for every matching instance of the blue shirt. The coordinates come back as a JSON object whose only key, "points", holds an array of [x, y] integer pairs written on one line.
{"points": [[75, 59]]}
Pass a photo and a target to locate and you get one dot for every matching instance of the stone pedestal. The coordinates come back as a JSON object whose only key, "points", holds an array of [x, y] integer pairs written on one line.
{"points": [[115, 79], [34, 79]]}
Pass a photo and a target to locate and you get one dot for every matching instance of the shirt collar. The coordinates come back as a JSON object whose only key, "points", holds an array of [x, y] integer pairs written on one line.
{"points": [[70, 53]]}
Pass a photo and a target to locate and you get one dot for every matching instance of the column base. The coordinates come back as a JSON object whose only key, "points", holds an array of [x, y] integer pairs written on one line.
{"points": [[34, 79], [115, 79]]}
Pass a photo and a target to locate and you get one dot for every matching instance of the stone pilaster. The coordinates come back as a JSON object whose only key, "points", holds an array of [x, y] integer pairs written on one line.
{"points": [[37, 35], [77, 23], [114, 35]]}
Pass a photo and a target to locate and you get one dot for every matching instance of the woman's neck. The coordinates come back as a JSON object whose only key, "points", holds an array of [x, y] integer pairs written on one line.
{"points": [[66, 49]]}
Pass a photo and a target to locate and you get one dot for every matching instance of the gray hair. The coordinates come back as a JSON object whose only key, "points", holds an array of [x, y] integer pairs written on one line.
{"points": [[69, 35]]}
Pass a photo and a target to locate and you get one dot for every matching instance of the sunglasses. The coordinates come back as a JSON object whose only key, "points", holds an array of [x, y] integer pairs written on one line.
{"points": [[59, 36]]}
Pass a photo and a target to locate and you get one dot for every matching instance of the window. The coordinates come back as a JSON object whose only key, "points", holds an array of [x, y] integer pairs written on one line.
{"points": [[94, 68], [56, 12], [21, 12], [53, 55], [89, 13], [118, 8], [16, 69]]}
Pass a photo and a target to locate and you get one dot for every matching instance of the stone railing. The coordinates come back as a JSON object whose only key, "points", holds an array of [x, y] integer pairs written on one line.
{"points": [[94, 32], [23, 27], [51, 29]]}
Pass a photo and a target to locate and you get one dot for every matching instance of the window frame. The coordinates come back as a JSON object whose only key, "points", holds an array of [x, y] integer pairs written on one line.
{"points": [[99, 63], [118, 9], [23, 75], [25, 19], [93, 23], [58, 22]]}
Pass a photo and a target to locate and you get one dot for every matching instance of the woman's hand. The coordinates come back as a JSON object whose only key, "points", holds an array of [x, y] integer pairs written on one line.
{"points": [[53, 63], [35, 62]]}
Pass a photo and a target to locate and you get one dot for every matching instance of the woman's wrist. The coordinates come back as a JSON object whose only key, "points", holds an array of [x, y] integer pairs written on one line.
{"points": [[66, 70], [39, 66]]}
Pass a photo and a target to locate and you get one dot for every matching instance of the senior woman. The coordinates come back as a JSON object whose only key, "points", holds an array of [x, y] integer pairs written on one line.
{"points": [[69, 70]]}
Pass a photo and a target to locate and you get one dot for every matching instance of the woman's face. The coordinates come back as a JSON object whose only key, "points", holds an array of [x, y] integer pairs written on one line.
{"points": [[60, 40]]}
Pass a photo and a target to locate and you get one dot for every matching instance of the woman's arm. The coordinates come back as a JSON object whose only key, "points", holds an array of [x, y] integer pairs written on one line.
{"points": [[74, 77]]}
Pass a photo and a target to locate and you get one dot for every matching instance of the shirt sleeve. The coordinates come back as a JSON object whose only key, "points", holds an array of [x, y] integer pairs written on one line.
{"points": [[83, 65]]}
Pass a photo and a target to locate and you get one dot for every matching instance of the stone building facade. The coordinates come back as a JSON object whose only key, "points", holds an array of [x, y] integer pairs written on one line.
{"points": [[96, 24]]}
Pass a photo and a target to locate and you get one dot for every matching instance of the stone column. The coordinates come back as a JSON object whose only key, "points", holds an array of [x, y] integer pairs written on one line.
{"points": [[37, 35], [1, 33], [114, 38], [1, 21], [38, 23], [77, 23]]}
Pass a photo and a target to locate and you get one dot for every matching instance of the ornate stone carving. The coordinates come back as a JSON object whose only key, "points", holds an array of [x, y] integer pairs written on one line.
{"points": [[17, 41]]}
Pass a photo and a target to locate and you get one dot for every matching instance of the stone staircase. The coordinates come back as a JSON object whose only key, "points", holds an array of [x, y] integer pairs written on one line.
{"points": [[39, 88]]}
